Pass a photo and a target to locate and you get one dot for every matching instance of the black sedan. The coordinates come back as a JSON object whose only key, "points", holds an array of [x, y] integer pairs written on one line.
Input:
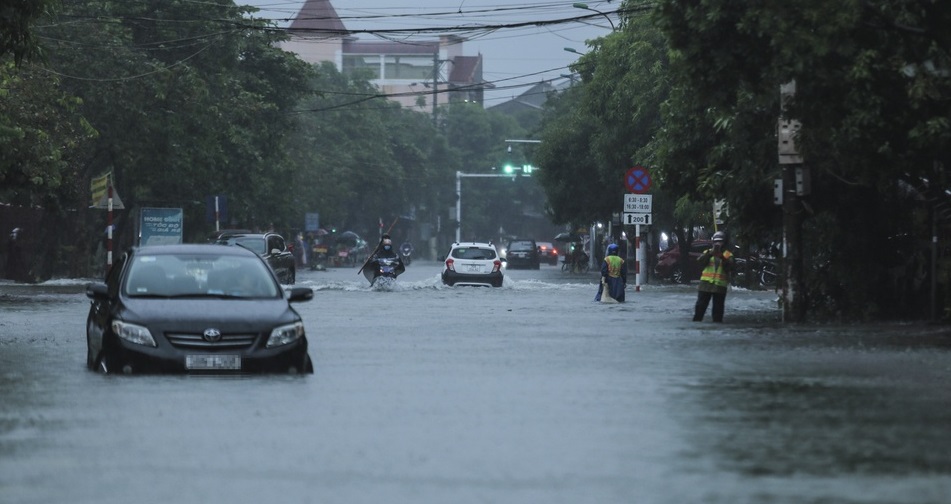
{"points": [[270, 246], [194, 308]]}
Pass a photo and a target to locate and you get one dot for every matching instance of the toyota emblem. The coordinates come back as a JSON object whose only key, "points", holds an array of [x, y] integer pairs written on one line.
{"points": [[212, 335]]}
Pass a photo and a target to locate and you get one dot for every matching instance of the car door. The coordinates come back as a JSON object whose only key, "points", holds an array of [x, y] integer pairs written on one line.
{"points": [[100, 309], [280, 259]]}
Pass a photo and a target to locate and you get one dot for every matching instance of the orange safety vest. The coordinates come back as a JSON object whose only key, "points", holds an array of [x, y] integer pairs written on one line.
{"points": [[614, 265], [716, 272]]}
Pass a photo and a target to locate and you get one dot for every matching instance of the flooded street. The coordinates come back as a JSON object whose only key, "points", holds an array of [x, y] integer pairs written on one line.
{"points": [[530, 393]]}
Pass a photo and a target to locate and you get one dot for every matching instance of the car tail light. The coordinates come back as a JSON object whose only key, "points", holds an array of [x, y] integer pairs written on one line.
{"points": [[449, 264], [496, 265]]}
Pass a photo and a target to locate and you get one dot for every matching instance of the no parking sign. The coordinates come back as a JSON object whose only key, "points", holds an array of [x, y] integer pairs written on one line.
{"points": [[637, 180]]}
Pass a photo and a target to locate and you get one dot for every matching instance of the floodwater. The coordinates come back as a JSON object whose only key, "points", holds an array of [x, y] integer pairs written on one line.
{"points": [[530, 393]]}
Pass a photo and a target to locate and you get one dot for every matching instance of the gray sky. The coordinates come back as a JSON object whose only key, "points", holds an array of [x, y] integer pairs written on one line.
{"points": [[513, 58]]}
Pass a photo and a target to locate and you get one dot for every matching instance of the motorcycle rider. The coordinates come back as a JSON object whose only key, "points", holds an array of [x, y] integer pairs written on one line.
{"points": [[384, 250], [715, 278]]}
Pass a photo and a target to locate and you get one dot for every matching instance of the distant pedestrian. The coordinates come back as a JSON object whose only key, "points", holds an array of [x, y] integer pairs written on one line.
{"points": [[613, 277], [715, 279]]}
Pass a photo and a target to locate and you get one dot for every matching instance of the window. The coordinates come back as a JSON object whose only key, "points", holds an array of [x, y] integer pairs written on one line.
{"points": [[408, 67], [366, 64]]}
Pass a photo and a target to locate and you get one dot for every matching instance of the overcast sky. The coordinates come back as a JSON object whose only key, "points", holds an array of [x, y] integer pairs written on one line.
{"points": [[513, 58]]}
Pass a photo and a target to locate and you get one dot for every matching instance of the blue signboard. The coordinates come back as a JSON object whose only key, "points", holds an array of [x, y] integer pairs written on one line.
{"points": [[222, 202], [311, 221], [161, 226]]}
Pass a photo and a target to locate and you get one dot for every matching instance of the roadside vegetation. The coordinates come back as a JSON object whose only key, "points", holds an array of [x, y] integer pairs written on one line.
{"points": [[183, 100]]}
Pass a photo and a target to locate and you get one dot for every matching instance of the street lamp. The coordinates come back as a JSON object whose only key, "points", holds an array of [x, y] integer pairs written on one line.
{"points": [[573, 50], [584, 6]]}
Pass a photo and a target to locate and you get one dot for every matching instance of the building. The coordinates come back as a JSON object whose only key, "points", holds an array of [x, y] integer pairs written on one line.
{"points": [[422, 75]]}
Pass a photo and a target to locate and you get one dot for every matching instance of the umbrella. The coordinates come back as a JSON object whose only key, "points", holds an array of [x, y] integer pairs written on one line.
{"points": [[321, 232], [567, 237], [349, 238]]}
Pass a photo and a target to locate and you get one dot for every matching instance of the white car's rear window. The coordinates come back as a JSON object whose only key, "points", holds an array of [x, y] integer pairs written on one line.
{"points": [[473, 253]]}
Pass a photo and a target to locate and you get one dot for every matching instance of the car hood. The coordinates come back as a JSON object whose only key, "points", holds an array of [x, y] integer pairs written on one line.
{"points": [[229, 314]]}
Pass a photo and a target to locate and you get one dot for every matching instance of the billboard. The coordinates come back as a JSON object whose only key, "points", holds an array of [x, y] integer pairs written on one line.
{"points": [[160, 226]]}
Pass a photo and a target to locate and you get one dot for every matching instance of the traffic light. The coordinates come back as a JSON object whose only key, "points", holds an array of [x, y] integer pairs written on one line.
{"points": [[508, 168]]}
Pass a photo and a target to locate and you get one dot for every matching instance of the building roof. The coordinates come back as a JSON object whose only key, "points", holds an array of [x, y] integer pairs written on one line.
{"points": [[318, 17], [534, 98], [466, 69]]}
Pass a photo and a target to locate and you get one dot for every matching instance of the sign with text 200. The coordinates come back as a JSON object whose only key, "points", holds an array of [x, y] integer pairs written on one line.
{"points": [[637, 203]]}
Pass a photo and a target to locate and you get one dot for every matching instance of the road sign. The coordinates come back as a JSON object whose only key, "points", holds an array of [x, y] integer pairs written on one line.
{"points": [[642, 219], [637, 180], [637, 203]]}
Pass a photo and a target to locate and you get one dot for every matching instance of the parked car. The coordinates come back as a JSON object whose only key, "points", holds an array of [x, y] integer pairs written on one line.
{"points": [[668, 265], [194, 308], [522, 253], [473, 263], [270, 246], [548, 253], [224, 233]]}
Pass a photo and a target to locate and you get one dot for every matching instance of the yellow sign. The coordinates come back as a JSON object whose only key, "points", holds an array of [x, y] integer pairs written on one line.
{"points": [[99, 186]]}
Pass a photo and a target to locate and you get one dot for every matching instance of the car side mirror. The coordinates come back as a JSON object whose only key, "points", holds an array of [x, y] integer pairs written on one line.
{"points": [[298, 294], [97, 291]]}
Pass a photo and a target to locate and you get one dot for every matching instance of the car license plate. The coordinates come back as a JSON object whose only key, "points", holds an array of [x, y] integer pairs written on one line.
{"points": [[474, 268], [212, 362]]}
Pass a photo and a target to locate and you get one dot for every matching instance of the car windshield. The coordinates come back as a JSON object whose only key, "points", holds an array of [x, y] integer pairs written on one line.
{"points": [[520, 246], [474, 253], [255, 244], [190, 275]]}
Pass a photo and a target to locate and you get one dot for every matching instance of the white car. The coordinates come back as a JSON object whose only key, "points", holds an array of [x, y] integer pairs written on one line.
{"points": [[473, 263]]}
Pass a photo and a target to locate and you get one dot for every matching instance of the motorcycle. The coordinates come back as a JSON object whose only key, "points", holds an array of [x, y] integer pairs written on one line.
{"points": [[406, 249], [383, 270], [318, 257]]}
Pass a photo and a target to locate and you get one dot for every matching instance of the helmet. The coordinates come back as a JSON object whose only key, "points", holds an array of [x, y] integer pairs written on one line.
{"points": [[719, 236], [387, 244], [612, 248]]}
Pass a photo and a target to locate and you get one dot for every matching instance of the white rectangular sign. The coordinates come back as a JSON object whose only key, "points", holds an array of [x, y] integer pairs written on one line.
{"points": [[644, 219], [637, 203]]}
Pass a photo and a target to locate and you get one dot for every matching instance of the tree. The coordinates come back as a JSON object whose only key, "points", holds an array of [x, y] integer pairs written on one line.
{"points": [[17, 27], [872, 91]]}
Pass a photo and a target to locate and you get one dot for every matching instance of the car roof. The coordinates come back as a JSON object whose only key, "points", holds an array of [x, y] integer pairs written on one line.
{"points": [[473, 244], [246, 235], [192, 248]]}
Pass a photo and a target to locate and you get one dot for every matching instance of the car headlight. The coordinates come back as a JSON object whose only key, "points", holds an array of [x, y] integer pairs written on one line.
{"points": [[133, 333], [285, 334]]}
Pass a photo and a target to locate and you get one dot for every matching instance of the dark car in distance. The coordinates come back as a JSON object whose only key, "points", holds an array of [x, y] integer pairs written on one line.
{"points": [[270, 246], [548, 253], [194, 308], [522, 253]]}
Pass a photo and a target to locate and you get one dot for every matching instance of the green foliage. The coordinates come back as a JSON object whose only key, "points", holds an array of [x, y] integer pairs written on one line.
{"points": [[17, 27], [871, 95]]}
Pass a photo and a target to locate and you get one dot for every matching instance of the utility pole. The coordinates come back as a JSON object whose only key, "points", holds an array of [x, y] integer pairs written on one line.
{"points": [[793, 185], [436, 64]]}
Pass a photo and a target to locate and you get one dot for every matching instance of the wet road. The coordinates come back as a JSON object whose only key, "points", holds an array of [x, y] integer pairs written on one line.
{"points": [[528, 393]]}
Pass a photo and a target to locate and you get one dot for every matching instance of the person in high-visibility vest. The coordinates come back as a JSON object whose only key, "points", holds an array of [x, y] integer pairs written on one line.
{"points": [[613, 276], [715, 279]]}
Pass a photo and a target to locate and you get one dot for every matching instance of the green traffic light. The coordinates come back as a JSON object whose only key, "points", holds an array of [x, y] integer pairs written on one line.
{"points": [[508, 168]]}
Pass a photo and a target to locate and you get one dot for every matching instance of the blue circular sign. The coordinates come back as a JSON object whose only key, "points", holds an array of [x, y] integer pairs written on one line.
{"points": [[637, 180]]}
